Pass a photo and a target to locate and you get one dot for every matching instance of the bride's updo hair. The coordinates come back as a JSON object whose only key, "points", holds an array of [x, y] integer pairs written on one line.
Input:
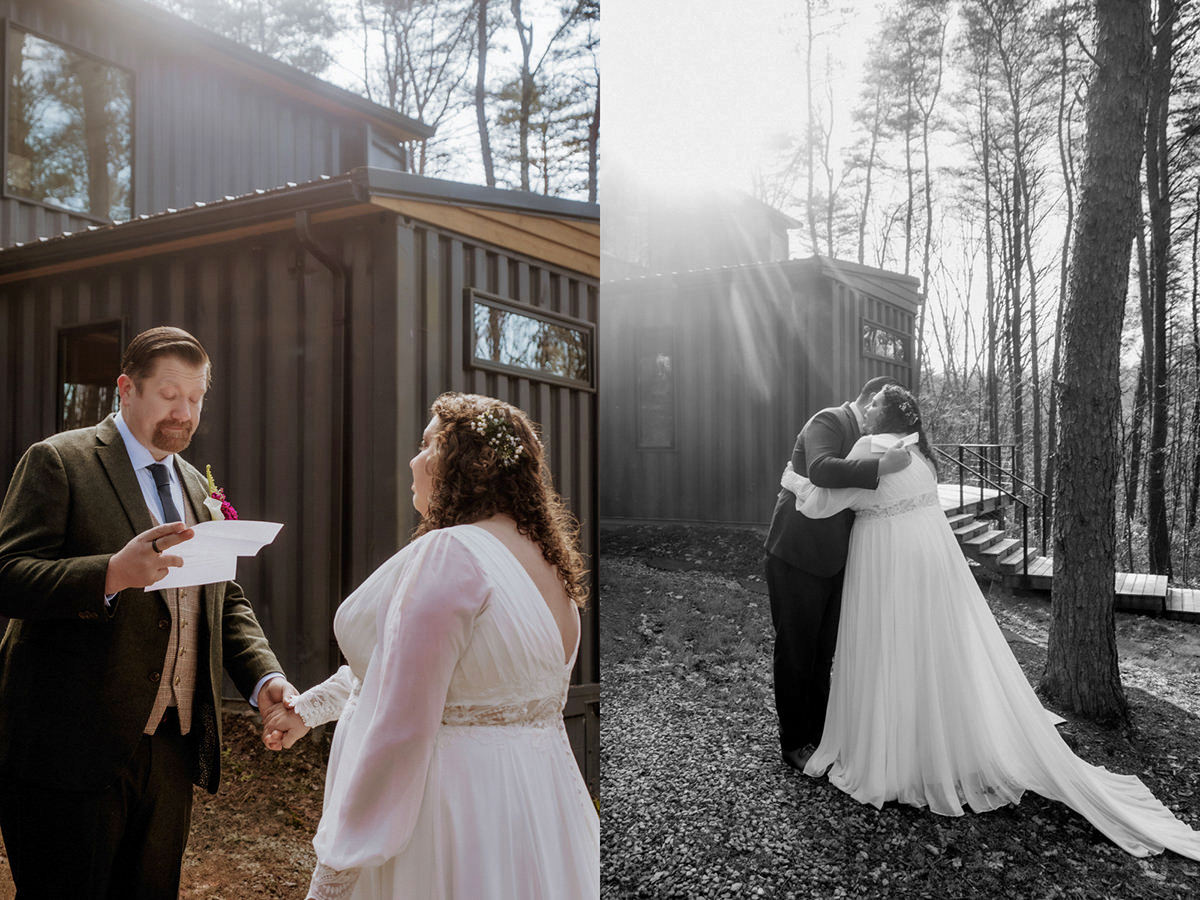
{"points": [[488, 460], [900, 414]]}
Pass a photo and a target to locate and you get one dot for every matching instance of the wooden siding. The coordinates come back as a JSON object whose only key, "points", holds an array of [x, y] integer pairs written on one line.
{"points": [[201, 131], [264, 309], [757, 350]]}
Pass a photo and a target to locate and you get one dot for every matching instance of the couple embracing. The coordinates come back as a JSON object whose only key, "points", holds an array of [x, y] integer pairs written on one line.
{"points": [[892, 678], [450, 775]]}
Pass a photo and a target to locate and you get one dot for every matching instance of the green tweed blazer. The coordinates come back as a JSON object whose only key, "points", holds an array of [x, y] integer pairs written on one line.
{"points": [[77, 678]]}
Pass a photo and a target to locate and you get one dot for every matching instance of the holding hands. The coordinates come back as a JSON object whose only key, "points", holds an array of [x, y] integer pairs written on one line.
{"points": [[282, 726]]}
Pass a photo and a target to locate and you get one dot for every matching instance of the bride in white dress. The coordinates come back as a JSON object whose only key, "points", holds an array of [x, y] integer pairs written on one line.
{"points": [[450, 774], [927, 705]]}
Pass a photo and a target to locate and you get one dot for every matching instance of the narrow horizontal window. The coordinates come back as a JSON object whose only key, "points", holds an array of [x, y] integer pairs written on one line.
{"points": [[528, 341], [70, 129], [884, 343]]}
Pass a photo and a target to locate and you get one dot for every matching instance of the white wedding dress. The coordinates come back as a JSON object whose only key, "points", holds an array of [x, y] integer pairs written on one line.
{"points": [[927, 705], [450, 774]]}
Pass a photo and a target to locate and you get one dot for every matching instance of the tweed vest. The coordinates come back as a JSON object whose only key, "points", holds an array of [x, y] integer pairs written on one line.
{"points": [[177, 686]]}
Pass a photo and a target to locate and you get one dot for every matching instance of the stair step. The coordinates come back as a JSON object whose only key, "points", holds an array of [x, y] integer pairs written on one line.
{"points": [[970, 530], [999, 550], [958, 520], [982, 542], [1013, 564]]}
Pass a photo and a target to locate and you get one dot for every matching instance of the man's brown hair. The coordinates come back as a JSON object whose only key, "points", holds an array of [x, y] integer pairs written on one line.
{"points": [[164, 340]]}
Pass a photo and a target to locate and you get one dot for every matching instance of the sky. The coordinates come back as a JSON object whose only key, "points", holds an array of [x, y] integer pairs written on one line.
{"points": [[696, 91]]}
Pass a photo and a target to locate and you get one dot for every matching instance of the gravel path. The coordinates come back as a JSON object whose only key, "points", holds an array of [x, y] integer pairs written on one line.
{"points": [[696, 803]]}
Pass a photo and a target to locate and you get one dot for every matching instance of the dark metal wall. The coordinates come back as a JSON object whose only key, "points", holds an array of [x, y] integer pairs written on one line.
{"points": [[755, 351], [264, 311], [201, 131]]}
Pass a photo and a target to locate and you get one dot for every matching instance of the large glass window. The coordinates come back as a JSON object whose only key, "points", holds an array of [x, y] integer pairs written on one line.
{"points": [[70, 128], [529, 341], [89, 361]]}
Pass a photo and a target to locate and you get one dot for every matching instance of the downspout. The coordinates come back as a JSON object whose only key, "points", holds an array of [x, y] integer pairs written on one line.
{"points": [[341, 425]]}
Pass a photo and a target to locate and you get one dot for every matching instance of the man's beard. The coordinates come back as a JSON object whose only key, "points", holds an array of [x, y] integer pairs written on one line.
{"points": [[172, 443]]}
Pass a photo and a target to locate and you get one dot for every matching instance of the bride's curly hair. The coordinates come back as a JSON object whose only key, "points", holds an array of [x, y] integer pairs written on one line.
{"points": [[488, 460], [900, 414]]}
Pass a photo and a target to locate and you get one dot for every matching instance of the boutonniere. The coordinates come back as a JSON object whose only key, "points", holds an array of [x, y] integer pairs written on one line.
{"points": [[216, 504]]}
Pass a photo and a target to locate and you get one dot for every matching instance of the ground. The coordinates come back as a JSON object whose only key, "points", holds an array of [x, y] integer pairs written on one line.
{"points": [[696, 803], [254, 837]]}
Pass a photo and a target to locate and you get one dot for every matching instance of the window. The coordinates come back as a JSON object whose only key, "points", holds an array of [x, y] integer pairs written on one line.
{"points": [[884, 343], [69, 129], [89, 361], [655, 390], [521, 340]]}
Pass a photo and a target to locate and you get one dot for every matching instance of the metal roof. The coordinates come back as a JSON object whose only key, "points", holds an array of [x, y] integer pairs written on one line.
{"points": [[892, 286], [356, 188], [159, 26]]}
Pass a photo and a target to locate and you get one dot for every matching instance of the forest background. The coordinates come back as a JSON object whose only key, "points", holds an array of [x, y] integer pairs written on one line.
{"points": [[512, 86], [949, 148]]}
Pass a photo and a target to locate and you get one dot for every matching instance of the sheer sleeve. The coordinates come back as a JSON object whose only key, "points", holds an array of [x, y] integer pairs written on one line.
{"points": [[324, 702], [373, 805], [821, 503]]}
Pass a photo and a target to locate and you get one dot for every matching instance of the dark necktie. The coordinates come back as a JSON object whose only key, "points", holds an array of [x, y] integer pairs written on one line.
{"points": [[162, 481]]}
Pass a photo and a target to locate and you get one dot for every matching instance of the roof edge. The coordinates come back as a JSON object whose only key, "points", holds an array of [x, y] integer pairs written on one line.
{"points": [[393, 183], [159, 22]]}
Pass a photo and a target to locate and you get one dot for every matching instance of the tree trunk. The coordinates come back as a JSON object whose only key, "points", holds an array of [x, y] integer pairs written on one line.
{"points": [[481, 43], [1159, 199], [1068, 173], [594, 146], [1192, 497], [525, 33], [870, 170], [809, 129], [1081, 668]]}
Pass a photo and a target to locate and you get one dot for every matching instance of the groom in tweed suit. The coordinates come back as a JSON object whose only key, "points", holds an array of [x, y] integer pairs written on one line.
{"points": [[110, 695], [805, 562]]}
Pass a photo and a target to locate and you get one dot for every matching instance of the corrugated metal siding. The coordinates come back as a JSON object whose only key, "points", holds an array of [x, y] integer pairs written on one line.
{"points": [[200, 132], [264, 311], [757, 350]]}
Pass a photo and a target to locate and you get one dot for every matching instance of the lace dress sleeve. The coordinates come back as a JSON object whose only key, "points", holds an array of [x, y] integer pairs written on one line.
{"points": [[372, 806], [324, 702]]}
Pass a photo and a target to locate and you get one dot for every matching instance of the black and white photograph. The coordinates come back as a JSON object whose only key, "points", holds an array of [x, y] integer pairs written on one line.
{"points": [[411, 491], [899, 450]]}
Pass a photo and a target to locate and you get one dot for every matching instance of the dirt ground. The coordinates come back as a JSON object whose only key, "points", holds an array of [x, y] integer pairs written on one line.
{"points": [[696, 803], [253, 837]]}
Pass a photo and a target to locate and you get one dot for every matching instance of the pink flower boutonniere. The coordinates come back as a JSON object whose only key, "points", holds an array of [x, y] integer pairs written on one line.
{"points": [[216, 504]]}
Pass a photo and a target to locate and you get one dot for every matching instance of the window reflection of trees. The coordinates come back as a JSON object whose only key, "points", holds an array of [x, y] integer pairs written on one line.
{"points": [[881, 342], [512, 339], [69, 128]]}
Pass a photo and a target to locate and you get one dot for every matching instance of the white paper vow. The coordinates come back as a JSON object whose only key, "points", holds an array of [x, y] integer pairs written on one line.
{"points": [[211, 555], [882, 443]]}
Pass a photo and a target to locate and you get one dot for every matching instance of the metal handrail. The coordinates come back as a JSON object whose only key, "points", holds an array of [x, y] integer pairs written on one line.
{"points": [[1025, 507]]}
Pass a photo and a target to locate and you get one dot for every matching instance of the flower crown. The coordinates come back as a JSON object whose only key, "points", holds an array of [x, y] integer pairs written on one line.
{"points": [[909, 410], [499, 434]]}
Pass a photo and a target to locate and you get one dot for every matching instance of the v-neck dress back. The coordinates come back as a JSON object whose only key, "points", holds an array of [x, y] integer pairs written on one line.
{"points": [[451, 775]]}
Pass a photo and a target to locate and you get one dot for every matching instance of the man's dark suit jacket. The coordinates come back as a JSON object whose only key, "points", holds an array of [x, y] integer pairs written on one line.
{"points": [[819, 546], [77, 679]]}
